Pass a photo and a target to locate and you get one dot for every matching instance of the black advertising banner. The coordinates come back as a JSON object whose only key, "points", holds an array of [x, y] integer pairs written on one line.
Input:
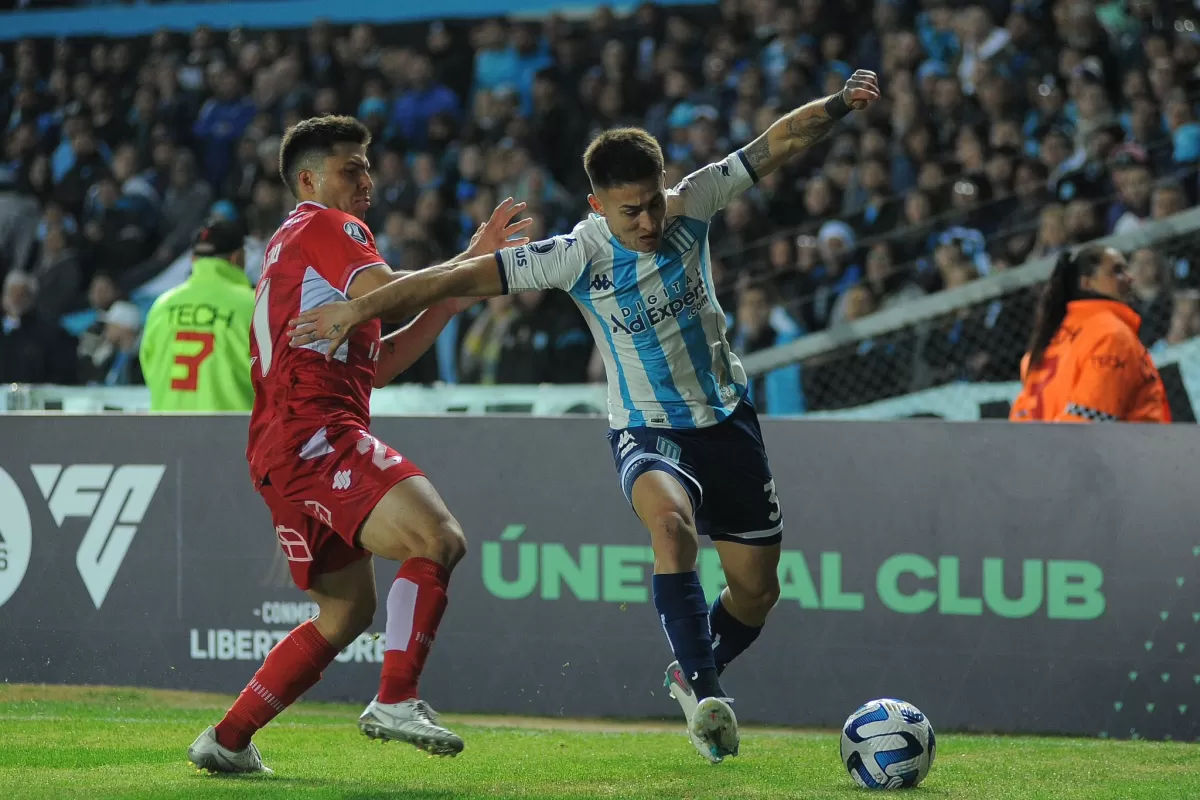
{"points": [[1003, 578]]}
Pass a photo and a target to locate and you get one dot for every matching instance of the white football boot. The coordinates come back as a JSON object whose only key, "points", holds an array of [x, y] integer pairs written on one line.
{"points": [[411, 721], [207, 753], [712, 725]]}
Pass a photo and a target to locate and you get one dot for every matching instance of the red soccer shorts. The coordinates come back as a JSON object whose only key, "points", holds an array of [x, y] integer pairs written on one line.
{"points": [[319, 503]]}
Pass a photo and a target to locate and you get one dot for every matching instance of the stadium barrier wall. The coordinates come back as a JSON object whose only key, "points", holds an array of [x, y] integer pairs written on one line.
{"points": [[1003, 578]]}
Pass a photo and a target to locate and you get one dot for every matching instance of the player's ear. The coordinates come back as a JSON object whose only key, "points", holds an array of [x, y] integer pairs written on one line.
{"points": [[594, 202]]}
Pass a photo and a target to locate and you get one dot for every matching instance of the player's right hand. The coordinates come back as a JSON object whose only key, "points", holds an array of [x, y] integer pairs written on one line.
{"points": [[332, 321]]}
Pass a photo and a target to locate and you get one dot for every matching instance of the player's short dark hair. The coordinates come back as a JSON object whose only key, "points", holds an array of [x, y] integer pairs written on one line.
{"points": [[315, 138], [622, 155]]}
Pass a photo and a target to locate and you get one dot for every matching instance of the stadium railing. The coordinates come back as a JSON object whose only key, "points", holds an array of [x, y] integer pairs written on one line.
{"points": [[967, 342]]}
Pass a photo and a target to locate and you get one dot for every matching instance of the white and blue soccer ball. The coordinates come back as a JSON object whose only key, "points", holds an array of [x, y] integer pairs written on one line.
{"points": [[888, 744]]}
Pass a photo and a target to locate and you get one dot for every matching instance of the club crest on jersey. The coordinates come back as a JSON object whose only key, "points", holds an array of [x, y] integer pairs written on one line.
{"points": [[679, 237], [355, 232]]}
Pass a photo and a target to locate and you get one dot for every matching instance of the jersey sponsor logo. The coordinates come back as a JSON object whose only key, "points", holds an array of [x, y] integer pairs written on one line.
{"points": [[601, 283], [113, 500], [690, 299], [668, 449], [1108, 361], [293, 544], [16, 537], [356, 232], [341, 479], [199, 315], [625, 444], [520, 256], [319, 512], [543, 247]]}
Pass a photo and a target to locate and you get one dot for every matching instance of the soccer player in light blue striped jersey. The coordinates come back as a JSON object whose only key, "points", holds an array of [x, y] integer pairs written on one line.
{"points": [[684, 435]]}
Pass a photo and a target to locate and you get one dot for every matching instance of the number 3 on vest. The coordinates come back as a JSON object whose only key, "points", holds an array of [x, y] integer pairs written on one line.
{"points": [[190, 381]]}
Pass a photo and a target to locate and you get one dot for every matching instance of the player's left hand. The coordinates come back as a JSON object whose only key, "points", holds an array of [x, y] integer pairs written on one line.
{"points": [[332, 321], [861, 90], [499, 231]]}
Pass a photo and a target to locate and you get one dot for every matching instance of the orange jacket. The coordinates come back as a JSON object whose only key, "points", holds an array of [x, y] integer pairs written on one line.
{"points": [[1095, 370]]}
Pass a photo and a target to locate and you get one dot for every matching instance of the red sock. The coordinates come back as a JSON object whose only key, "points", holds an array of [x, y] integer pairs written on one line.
{"points": [[292, 668], [415, 606]]}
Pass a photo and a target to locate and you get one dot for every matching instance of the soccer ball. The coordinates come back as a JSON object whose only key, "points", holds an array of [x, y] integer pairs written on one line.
{"points": [[888, 744]]}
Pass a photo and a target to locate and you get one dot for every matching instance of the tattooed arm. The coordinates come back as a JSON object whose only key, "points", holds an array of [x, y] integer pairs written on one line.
{"points": [[809, 124]]}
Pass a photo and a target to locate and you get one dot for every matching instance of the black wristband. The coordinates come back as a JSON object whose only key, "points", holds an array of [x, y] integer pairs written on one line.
{"points": [[837, 107]]}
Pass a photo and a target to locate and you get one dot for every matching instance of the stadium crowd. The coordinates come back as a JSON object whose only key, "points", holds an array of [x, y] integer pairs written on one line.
{"points": [[1008, 130]]}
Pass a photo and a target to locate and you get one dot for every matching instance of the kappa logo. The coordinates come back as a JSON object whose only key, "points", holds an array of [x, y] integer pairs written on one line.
{"points": [[601, 283], [356, 232], [341, 480], [113, 499], [625, 444]]}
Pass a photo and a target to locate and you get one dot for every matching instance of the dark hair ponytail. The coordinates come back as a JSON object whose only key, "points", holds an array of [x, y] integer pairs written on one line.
{"points": [[1061, 288]]}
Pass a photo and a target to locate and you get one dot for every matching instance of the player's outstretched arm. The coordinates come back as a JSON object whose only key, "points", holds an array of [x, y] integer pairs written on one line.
{"points": [[401, 298], [809, 124]]}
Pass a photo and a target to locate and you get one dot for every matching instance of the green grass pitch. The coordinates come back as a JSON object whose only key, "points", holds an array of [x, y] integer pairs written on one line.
{"points": [[93, 742]]}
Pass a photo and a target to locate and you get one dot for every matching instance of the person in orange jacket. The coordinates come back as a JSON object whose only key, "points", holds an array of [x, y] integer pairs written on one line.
{"points": [[1085, 362]]}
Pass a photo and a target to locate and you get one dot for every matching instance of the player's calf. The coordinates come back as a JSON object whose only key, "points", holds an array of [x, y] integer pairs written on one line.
{"points": [[411, 524], [739, 613], [666, 509]]}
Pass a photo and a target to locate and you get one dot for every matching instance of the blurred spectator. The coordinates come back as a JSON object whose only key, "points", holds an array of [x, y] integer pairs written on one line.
{"points": [[760, 322], [526, 338], [18, 223], [31, 351], [1151, 296], [114, 361]]}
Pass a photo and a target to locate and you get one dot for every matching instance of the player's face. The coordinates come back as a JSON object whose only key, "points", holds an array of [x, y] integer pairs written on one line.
{"points": [[635, 212], [345, 182]]}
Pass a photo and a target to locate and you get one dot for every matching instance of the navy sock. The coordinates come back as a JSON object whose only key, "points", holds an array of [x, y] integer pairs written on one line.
{"points": [[679, 600], [730, 637]]}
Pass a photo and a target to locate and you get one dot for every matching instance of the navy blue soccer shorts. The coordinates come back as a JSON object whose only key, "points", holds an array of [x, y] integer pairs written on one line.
{"points": [[723, 468]]}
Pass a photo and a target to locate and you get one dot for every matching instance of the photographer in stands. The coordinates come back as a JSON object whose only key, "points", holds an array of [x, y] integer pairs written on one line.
{"points": [[196, 350], [1085, 361]]}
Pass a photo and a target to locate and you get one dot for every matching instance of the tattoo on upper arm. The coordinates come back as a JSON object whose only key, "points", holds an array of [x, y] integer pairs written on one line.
{"points": [[757, 153], [807, 130]]}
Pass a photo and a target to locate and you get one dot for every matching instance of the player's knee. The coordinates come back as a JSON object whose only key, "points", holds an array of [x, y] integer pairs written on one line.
{"points": [[441, 541], [757, 599], [673, 536], [451, 542]]}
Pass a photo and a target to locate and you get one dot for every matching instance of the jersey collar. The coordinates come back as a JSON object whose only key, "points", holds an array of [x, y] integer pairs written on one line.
{"points": [[304, 203], [209, 268], [1082, 309]]}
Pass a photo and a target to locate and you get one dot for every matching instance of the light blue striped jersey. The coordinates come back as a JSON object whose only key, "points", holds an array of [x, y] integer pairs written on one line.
{"points": [[654, 316]]}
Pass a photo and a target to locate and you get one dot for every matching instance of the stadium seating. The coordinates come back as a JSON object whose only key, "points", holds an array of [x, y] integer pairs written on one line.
{"points": [[1008, 132]]}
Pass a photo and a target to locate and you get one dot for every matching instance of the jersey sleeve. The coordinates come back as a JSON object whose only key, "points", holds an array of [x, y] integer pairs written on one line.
{"points": [[340, 247], [554, 263], [709, 189], [1109, 378]]}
